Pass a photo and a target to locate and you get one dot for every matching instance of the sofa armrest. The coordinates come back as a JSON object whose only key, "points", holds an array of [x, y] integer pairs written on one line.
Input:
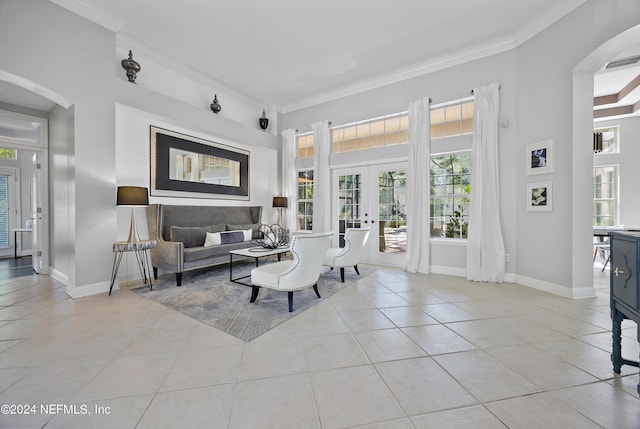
{"points": [[168, 255]]}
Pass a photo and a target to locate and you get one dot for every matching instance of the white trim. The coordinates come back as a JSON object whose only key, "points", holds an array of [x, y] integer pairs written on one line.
{"points": [[92, 13], [59, 276], [439, 63], [92, 289], [449, 271], [556, 289], [35, 88]]}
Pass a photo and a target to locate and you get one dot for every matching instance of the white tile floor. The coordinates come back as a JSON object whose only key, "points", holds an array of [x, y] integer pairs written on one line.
{"points": [[393, 351]]}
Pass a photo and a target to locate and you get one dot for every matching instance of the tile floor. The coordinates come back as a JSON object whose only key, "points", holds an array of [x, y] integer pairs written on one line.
{"points": [[394, 350]]}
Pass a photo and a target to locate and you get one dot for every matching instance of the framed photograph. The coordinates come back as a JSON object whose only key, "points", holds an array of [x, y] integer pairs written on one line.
{"points": [[191, 167], [539, 157], [539, 197]]}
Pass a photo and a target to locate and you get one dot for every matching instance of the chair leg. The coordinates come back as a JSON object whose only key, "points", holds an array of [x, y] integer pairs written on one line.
{"points": [[254, 292], [355, 267], [606, 262], [315, 288], [290, 301], [342, 274]]}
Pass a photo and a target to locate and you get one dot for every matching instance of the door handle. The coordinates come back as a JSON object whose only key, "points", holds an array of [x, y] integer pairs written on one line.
{"points": [[618, 271]]}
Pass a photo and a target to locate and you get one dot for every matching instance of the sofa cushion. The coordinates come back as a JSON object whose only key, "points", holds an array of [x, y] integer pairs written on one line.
{"points": [[196, 253], [227, 237], [193, 236], [255, 227]]}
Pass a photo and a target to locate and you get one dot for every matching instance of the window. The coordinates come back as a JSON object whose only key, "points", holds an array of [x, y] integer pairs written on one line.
{"points": [[384, 131], [452, 119], [305, 145], [6, 153], [605, 195], [305, 200], [450, 191], [610, 139], [4, 211]]}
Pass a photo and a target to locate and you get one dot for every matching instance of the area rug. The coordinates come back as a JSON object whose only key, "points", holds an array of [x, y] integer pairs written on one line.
{"points": [[210, 297]]}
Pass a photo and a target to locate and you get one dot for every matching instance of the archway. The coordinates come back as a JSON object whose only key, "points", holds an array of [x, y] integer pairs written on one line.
{"points": [[583, 81]]}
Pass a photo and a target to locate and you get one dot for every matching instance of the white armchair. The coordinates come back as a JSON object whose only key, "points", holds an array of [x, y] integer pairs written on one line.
{"points": [[302, 272], [349, 255]]}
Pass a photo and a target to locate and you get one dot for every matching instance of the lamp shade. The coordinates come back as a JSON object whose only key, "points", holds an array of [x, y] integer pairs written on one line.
{"points": [[132, 196], [280, 202]]}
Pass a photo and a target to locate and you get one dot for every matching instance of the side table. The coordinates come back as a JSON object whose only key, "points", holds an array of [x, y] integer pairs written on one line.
{"points": [[142, 256]]}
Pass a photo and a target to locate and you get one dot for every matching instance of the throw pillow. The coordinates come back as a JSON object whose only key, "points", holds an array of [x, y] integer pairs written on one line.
{"points": [[227, 237], [253, 226], [190, 236], [193, 236]]}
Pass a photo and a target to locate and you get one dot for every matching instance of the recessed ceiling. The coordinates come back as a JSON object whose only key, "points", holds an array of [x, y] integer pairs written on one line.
{"points": [[617, 90], [291, 52]]}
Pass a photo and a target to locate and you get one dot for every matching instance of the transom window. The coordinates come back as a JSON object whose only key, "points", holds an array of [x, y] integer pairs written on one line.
{"points": [[452, 119], [384, 131], [6, 153], [305, 145]]}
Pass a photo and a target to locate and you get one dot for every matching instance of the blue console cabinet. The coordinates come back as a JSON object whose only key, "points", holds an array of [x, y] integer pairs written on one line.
{"points": [[624, 291]]}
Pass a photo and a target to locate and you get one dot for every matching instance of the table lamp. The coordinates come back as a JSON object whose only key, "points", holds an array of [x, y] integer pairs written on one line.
{"points": [[132, 196], [280, 203]]}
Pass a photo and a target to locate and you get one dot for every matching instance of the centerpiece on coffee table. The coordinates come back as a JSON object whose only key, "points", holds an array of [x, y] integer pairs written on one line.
{"points": [[272, 236]]}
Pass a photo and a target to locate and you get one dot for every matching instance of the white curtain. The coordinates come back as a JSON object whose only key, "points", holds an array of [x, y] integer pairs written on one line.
{"points": [[321, 177], [418, 187], [485, 245], [290, 179]]}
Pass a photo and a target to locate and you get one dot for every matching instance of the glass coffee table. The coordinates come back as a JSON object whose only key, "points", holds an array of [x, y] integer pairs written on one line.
{"points": [[256, 253]]}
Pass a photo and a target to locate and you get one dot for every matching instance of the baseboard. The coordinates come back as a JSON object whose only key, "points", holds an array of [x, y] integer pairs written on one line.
{"points": [[449, 271], [58, 276], [92, 289], [566, 292]]}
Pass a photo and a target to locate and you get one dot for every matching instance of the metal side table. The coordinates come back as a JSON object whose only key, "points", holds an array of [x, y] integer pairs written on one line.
{"points": [[141, 250]]}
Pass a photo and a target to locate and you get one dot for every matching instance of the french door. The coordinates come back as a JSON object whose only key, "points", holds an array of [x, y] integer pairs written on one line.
{"points": [[373, 197]]}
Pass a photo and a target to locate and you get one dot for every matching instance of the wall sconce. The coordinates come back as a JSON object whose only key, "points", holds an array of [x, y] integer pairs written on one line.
{"points": [[131, 66], [215, 106], [263, 121]]}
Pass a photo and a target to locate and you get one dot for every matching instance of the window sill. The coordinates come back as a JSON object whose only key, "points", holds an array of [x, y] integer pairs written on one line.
{"points": [[450, 241]]}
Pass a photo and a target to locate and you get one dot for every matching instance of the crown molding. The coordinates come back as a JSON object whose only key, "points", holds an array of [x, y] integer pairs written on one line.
{"points": [[559, 9], [440, 63], [92, 13]]}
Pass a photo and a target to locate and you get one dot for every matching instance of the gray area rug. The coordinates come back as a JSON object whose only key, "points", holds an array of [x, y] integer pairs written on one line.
{"points": [[209, 296]]}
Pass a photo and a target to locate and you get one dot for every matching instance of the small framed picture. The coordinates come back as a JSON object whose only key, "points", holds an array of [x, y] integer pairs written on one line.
{"points": [[539, 197], [539, 157]]}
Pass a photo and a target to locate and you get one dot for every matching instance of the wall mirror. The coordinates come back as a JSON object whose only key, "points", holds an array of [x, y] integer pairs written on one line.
{"points": [[190, 167]]}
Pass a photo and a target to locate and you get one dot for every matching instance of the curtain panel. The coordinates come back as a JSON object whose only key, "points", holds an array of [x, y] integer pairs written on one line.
{"points": [[418, 191], [289, 179], [321, 177], [485, 245]]}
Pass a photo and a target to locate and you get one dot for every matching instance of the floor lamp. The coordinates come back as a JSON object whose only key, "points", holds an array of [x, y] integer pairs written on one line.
{"points": [[280, 203], [132, 196]]}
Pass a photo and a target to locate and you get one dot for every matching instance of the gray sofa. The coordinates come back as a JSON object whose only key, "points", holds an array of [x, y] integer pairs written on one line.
{"points": [[181, 230]]}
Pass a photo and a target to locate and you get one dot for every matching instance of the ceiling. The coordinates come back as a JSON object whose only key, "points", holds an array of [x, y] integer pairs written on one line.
{"points": [[295, 53]]}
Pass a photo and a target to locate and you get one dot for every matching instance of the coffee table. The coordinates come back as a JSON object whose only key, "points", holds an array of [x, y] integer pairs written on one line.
{"points": [[256, 253]]}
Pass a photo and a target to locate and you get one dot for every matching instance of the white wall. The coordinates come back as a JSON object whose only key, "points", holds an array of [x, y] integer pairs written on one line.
{"points": [[629, 171], [132, 163], [548, 250], [68, 58], [61, 194], [441, 86]]}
